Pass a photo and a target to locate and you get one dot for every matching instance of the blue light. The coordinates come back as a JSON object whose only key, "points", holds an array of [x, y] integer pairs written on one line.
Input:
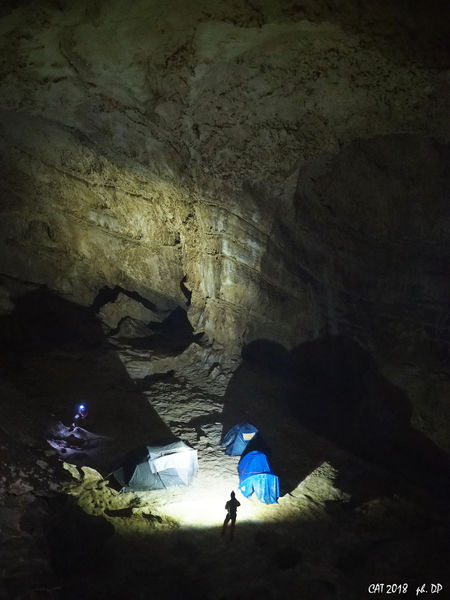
{"points": [[81, 407]]}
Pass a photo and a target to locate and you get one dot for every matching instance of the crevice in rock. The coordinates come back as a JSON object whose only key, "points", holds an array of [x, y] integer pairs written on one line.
{"points": [[109, 294], [186, 291]]}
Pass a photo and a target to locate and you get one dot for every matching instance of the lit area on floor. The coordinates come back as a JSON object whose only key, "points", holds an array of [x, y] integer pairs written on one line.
{"points": [[202, 505], [206, 508]]}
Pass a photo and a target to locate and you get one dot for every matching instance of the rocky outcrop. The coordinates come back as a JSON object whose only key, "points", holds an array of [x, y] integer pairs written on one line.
{"points": [[276, 170], [143, 144]]}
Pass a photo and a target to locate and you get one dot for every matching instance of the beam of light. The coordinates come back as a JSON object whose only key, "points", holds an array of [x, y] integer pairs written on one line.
{"points": [[204, 506]]}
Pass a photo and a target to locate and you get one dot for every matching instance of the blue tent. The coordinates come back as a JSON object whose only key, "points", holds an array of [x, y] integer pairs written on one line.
{"points": [[237, 438], [256, 475]]}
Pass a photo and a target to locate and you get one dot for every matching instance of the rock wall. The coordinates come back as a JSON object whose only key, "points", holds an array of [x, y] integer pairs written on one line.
{"points": [[253, 151]]}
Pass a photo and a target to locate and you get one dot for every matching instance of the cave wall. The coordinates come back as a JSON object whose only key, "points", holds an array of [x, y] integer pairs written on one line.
{"points": [[275, 155]]}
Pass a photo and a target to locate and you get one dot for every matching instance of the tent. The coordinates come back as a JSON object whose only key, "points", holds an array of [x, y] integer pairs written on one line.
{"points": [[256, 475], [236, 440], [158, 466]]}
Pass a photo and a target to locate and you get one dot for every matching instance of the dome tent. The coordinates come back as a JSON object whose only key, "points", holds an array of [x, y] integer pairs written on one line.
{"points": [[157, 466], [256, 475], [237, 438]]}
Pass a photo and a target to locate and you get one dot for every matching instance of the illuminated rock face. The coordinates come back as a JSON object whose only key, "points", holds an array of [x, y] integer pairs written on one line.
{"points": [[145, 143]]}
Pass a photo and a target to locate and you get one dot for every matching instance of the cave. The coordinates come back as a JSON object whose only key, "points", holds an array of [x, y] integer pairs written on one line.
{"points": [[217, 213]]}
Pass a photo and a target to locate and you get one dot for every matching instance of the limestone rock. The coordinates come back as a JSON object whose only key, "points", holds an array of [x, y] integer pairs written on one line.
{"points": [[90, 475], [73, 470], [19, 487], [131, 328], [112, 313], [171, 152], [278, 169], [213, 431]]}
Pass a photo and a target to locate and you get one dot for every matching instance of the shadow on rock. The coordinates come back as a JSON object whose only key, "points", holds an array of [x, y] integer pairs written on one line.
{"points": [[56, 357], [276, 560], [71, 539], [333, 388]]}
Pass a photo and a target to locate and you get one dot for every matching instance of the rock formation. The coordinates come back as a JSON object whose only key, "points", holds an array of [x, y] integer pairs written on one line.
{"points": [[286, 162], [208, 176]]}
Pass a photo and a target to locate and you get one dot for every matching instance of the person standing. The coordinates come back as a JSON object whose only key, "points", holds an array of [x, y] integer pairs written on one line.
{"points": [[231, 507], [80, 417]]}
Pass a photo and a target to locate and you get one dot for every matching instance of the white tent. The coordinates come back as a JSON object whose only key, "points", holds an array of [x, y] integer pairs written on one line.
{"points": [[158, 466]]}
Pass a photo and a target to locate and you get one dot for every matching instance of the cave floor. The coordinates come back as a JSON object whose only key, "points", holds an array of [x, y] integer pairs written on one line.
{"points": [[341, 524]]}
